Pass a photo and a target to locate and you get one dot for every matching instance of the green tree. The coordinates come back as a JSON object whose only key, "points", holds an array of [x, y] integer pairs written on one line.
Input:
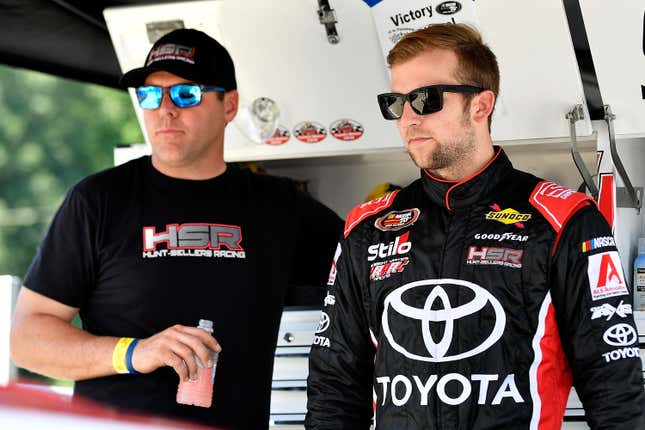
{"points": [[53, 132]]}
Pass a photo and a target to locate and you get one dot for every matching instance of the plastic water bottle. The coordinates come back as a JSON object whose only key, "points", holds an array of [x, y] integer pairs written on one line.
{"points": [[639, 276], [200, 391]]}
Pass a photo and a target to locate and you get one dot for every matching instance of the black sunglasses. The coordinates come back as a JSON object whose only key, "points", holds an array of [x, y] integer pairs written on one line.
{"points": [[423, 101]]}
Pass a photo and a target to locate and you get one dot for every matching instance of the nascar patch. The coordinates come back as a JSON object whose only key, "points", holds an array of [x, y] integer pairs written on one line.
{"points": [[606, 276], [599, 242]]}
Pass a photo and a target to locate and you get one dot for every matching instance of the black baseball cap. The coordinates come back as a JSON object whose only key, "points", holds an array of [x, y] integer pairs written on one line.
{"points": [[190, 54]]}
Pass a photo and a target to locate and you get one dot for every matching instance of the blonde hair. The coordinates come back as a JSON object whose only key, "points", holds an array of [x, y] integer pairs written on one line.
{"points": [[476, 63]]}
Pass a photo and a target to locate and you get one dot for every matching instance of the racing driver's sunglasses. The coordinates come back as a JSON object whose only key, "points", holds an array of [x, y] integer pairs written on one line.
{"points": [[423, 101], [182, 95]]}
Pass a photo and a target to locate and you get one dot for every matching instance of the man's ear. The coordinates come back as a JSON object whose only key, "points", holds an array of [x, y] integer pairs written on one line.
{"points": [[482, 106], [231, 102]]}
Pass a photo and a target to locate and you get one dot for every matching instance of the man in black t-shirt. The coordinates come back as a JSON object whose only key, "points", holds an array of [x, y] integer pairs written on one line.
{"points": [[145, 250]]}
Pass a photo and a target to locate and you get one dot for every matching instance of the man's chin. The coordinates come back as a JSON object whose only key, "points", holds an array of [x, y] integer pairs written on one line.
{"points": [[169, 158], [418, 160]]}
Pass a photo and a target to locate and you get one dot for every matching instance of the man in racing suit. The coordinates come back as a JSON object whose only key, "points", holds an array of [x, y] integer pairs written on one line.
{"points": [[476, 296]]}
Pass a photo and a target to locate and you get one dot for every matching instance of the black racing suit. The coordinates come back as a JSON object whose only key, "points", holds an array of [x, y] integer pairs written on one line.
{"points": [[476, 305]]}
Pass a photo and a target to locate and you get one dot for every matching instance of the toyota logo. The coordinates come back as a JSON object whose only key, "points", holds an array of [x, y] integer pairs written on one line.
{"points": [[620, 335], [324, 323], [445, 314]]}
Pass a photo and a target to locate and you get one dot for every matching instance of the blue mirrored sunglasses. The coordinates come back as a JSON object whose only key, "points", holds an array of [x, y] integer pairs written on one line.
{"points": [[182, 95]]}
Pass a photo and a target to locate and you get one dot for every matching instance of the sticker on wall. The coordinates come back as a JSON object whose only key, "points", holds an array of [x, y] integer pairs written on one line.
{"points": [[346, 129], [396, 18], [310, 132], [280, 136], [448, 8]]}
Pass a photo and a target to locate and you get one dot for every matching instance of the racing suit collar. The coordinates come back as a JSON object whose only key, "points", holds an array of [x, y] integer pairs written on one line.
{"points": [[459, 194]]}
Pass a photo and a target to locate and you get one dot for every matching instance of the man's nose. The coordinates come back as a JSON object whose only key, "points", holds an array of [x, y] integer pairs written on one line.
{"points": [[167, 106], [409, 117]]}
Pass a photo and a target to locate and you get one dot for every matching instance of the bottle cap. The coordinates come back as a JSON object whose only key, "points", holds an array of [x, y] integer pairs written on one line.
{"points": [[206, 325]]}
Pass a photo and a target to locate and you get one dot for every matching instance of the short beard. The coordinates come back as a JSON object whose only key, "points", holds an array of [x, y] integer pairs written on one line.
{"points": [[449, 155]]}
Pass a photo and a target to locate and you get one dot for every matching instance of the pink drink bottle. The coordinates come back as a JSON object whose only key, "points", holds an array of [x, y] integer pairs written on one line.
{"points": [[199, 392]]}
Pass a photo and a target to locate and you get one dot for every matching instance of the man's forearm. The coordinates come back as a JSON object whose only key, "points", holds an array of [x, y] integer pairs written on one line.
{"points": [[50, 346]]}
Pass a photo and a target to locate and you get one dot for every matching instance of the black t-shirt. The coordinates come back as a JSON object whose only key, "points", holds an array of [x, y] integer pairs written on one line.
{"points": [[138, 252]]}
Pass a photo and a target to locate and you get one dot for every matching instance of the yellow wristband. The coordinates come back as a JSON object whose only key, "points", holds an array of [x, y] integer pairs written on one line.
{"points": [[118, 356]]}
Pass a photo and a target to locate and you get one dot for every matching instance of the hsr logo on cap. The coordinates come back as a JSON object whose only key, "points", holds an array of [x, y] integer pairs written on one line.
{"points": [[171, 51]]}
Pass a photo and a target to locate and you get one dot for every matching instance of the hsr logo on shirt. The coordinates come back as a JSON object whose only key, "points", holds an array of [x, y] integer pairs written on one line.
{"points": [[606, 276], [486, 255], [194, 240]]}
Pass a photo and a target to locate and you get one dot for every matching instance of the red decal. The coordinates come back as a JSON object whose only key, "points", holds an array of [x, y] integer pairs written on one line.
{"points": [[362, 211], [608, 271], [607, 198], [606, 276], [310, 132], [280, 137], [346, 129], [599, 155]]}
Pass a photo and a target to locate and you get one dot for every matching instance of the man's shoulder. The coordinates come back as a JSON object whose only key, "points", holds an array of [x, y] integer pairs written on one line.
{"points": [[383, 206], [114, 179], [267, 180], [557, 203], [267, 187], [554, 202]]}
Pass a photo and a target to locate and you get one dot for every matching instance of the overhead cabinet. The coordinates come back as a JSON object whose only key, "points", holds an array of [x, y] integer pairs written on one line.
{"points": [[326, 93]]}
